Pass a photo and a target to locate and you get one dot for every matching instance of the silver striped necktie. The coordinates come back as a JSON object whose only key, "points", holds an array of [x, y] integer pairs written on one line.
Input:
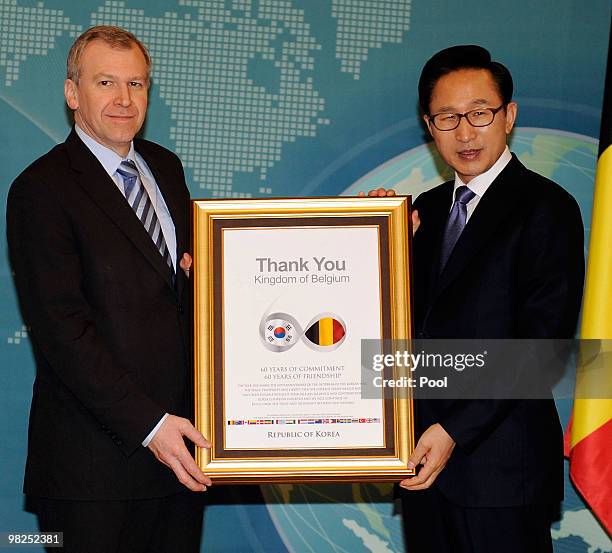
{"points": [[137, 197], [455, 223]]}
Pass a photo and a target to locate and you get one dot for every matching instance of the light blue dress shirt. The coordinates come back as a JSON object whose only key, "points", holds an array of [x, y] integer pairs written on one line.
{"points": [[111, 160]]}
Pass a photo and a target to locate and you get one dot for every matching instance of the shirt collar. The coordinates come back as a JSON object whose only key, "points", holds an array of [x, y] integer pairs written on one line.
{"points": [[481, 183], [108, 159]]}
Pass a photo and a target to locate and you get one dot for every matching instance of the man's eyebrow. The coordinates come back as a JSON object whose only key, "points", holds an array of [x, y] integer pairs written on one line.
{"points": [[452, 109], [109, 77], [105, 75], [480, 102]]}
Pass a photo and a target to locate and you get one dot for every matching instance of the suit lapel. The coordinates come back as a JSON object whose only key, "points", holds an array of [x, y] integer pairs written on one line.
{"points": [[104, 192], [437, 214], [497, 204]]}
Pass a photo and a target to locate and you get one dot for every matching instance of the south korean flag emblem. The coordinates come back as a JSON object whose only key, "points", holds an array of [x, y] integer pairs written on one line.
{"points": [[280, 331]]}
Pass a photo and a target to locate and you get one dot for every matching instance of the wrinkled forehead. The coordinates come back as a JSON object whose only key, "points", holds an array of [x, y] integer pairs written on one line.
{"points": [[465, 89], [100, 57]]}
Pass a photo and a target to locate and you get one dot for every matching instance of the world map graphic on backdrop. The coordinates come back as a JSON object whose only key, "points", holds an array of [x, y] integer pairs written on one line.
{"points": [[237, 76], [238, 87]]}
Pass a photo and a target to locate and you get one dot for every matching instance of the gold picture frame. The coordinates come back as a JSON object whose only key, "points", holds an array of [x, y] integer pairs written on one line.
{"points": [[226, 236]]}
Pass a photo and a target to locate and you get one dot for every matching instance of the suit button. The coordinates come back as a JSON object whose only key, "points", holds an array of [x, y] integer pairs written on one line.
{"points": [[119, 442], [180, 309]]}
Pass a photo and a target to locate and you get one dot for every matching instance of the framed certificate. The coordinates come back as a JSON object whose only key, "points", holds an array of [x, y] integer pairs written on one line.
{"points": [[285, 291]]}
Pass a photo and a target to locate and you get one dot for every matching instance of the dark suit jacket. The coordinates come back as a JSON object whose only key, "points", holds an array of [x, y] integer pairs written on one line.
{"points": [[109, 329], [516, 272]]}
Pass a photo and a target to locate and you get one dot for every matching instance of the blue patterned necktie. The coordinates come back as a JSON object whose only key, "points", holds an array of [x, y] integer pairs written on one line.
{"points": [[137, 197], [457, 219]]}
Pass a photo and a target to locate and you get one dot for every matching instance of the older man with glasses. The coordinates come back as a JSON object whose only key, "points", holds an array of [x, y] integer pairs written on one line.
{"points": [[498, 254]]}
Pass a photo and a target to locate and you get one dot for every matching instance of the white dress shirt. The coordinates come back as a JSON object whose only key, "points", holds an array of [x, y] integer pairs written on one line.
{"points": [[480, 184]]}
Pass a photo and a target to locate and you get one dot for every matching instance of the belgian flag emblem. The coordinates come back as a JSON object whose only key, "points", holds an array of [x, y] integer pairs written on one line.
{"points": [[326, 332]]}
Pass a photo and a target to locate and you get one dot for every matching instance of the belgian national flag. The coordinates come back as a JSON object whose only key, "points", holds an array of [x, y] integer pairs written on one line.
{"points": [[591, 425]]}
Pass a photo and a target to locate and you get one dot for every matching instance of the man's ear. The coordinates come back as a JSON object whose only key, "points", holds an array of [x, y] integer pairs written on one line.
{"points": [[511, 111], [71, 94], [427, 124]]}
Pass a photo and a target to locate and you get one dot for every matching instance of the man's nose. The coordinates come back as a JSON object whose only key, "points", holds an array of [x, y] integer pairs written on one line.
{"points": [[123, 97], [465, 132]]}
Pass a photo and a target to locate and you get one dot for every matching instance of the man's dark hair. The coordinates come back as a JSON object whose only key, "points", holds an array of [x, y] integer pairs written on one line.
{"points": [[462, 57]]}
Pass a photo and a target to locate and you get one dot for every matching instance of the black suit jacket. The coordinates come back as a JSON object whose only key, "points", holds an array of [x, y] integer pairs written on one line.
{"points": [[516, 272], [109, 329]]}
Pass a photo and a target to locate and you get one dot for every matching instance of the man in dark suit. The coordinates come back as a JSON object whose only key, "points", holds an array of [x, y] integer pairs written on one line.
{"points": [[498, 254], [96, 228]]}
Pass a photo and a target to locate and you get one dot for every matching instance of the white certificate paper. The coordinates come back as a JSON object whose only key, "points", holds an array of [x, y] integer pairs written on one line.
{"points": [[297, 301]]}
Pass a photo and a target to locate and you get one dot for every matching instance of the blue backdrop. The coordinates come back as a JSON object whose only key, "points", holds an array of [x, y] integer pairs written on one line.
{"points": [[298, 98]]}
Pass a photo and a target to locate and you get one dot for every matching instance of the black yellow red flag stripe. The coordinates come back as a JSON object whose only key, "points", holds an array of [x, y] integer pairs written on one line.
{"points": [[591, 426]]}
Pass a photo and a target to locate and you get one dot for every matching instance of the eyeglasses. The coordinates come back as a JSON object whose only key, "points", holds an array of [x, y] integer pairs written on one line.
{"points": [[480, 117]]}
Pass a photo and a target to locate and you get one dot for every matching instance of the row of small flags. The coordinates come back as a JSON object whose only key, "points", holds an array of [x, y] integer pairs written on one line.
{"points": [[303, 421]]}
